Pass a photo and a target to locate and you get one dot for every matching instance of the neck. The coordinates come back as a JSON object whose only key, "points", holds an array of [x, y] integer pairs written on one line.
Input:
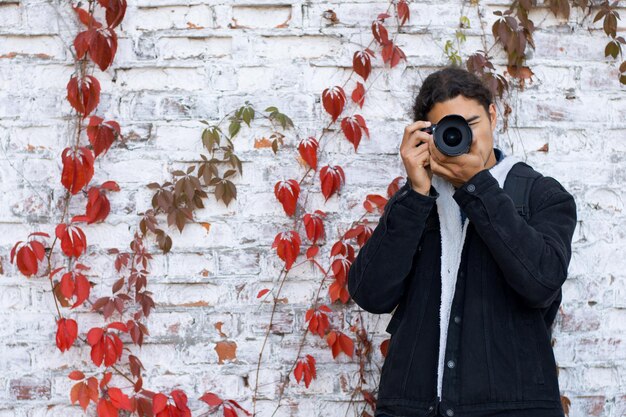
{"points": [[491, 161]]}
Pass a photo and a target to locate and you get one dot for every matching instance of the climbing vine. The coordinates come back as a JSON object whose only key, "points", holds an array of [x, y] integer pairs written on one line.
{"points": [[175, 201]]}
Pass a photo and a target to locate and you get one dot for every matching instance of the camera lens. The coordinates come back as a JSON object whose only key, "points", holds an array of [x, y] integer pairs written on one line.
{"points": [[452, 136]]}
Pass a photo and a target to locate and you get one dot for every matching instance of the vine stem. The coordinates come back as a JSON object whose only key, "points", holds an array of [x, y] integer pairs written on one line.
{"points": [[316, 299], [68, 196], [282, 281], [81, 68]]}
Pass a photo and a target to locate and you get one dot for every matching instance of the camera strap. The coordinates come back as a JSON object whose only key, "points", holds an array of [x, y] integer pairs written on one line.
{"points": [[518, 184]]}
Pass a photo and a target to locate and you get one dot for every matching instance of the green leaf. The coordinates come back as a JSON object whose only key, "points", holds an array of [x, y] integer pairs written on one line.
{"points": [[612, 48], [234, 127], [210, 137], [248, 115]]}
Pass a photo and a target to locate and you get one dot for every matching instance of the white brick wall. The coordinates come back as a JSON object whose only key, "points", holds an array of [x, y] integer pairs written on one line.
{"points": [[182, 61]]}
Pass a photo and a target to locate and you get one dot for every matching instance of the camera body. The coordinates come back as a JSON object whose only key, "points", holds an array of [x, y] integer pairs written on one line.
{"points": [[452, 135]]}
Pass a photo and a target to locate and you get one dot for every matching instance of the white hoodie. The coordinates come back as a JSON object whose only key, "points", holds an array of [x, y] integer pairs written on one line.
{"points": [[452, 241]]}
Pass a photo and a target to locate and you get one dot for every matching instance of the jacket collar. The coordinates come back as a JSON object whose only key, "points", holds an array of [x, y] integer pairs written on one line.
{"points": [[453, 232]]}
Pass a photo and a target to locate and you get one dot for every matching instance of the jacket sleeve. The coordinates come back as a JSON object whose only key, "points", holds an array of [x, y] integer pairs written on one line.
{"points": [[533, 256], [377, 276]]}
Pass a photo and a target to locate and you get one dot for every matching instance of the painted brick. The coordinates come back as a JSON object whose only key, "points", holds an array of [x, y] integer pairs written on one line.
{"points": [[179, 62]]}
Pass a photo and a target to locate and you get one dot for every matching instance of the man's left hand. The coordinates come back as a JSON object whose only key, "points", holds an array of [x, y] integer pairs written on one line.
{"points": [[455, 169]]}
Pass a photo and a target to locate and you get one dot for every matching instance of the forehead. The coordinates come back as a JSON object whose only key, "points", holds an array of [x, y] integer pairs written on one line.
{"points": [[462, 105]]}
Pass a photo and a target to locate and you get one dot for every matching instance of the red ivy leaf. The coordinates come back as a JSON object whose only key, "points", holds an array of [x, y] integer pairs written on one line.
{"points": [[318, 320], [119, 400], [115, 10], [100, 43], [105, 347], [102, 134], [159, 402], [340, 267], [312, 251], [211, 399], [338, 291], [352, 127], [118, 325], [73, 239], [161, 408], [67, 330], [358, 95], [403, 11], [392, 54], [287, 193], [334, 99], [394, 186], [180, 399], [380, 32], [262, 293], [332, 179], [77, 168], [384, 347], [314, 225], [361, 232], [84, 392], [362, 63], [83, 94], [26, 255], [305, 367], [339, 342], [374, 202], [233, 402], [229, 411], [106, 379], [98, 206], [110, 186], [287, 246], [76, 375], [344, 249], [215, 401], [75, 284], [308, 151], [86, 18], [106, 408]]}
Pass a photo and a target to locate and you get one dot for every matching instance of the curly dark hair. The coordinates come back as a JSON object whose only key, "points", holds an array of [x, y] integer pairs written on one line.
{"points": [[446, 84]]}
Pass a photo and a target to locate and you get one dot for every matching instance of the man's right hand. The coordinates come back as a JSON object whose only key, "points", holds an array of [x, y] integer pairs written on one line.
{"points": [[416, 156]]}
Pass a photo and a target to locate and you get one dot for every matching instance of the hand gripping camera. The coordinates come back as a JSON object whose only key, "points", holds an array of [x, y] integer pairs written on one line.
{"points": [[452, 135]]}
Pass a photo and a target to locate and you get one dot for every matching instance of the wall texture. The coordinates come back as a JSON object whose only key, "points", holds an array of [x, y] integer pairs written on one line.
{"points": [[182, 61]]}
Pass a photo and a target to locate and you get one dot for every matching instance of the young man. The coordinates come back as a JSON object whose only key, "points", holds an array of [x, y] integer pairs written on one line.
{"points": [[475, 285]]}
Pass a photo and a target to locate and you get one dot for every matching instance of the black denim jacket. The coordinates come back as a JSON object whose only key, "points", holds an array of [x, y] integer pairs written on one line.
{"points": [[499, 359]]}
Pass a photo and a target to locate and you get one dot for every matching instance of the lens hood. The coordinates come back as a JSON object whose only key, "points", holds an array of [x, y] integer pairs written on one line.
{"points": [[452, 135]]}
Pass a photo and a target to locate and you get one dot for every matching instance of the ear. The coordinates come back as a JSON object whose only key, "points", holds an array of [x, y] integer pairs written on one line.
{"points": [[493, 116]]}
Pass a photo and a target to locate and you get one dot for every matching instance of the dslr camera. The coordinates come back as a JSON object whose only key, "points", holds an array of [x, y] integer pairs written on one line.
{"points": [[452, 135]]}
